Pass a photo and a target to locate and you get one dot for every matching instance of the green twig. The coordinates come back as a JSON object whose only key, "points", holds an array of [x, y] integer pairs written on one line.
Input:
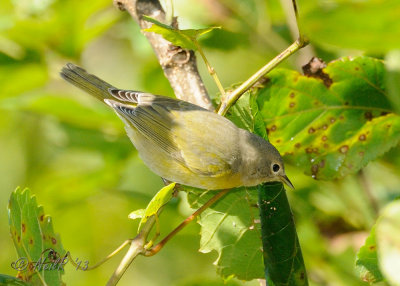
{"points": [[125, 243], [211, 70], [233, 96]]}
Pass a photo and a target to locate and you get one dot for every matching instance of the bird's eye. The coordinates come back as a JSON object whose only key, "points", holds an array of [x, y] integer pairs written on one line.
{"points": [[275, 168]]}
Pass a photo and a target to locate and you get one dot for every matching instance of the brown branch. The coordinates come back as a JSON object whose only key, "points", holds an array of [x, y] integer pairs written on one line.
{"points": [[189, 219], [179, 65]]}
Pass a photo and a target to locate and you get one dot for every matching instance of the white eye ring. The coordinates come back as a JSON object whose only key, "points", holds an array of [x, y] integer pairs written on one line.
{"points": [[276, 168]]}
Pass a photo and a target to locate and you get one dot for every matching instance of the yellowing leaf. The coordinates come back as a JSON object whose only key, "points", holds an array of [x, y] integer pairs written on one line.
{"points": [[158, 201]]}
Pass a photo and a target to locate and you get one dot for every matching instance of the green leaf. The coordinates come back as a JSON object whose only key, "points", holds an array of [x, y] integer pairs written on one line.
{"points": [[34, 238], [366, 25], [333, 125], [367, 260], [158, 201], [231, 227], [388, 241], [186, 39], [283, 259], [12, 281], [245, 114]]}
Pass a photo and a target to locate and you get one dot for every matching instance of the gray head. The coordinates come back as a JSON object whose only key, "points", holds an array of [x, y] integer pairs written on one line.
{"points": [[261, 162]]}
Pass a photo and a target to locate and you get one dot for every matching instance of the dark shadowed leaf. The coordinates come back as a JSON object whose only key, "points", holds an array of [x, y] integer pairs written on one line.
{"points": [[283, 259]]}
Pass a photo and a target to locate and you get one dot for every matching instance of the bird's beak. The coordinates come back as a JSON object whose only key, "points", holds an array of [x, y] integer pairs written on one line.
{"points": [[286, 181]]}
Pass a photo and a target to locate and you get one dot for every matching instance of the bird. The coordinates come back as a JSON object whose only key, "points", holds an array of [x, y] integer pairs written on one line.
{"points": [[183, 142]]}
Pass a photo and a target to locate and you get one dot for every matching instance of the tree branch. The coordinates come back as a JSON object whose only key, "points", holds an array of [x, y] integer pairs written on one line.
{"points": [[136, 247], [179, 65]]}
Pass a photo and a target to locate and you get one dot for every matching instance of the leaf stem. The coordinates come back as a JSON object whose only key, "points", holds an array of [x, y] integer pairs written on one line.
{"points": [[125, 243], [233, 96], [211, 70], [210, 202], [296, 13]]}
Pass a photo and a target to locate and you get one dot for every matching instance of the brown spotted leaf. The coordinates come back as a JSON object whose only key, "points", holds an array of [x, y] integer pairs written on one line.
{"points": [[40, 252], [332, 125]]}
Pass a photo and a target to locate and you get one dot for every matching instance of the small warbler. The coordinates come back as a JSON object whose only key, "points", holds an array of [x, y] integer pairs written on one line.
{"points": [[186, 143]]}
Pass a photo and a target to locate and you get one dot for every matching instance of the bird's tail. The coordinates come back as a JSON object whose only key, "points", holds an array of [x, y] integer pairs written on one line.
{"points": [[88, 82]]}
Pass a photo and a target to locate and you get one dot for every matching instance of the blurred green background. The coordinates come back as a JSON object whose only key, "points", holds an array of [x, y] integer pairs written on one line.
{"points": [[72, 152]]}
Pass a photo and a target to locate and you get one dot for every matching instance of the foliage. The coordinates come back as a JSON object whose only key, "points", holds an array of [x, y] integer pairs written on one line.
{"points": [[230, 227], [283, 259], [36, 243], [186, 39], [333, 125], [367, 260], [379, 258], [157, 202], [388, 244]]}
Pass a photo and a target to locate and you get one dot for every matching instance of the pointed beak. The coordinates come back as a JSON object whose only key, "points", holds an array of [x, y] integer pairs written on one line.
{"points": [[286, 181]]}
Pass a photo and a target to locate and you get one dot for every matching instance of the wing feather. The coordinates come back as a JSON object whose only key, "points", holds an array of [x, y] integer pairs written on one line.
{"points": [[178, 129]]}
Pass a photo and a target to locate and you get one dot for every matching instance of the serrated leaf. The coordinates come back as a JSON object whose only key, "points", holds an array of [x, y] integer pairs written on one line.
{"points": [[158, 201], [333, 126], [367, 260], [283, 259], [182, 38], [231, 227], [388, 242], [34, 238]]}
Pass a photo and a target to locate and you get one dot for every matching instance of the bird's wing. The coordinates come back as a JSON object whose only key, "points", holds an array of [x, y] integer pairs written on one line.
{"points": [[183, 130]]}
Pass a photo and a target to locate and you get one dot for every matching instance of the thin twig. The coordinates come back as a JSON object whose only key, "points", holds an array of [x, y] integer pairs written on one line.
{"points": [[136, 248], [233, 96], [210, 202], [211, 70], [122, 246]]}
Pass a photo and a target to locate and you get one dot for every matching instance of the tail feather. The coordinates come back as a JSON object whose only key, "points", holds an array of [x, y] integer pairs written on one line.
{"points": [[85, 81]]}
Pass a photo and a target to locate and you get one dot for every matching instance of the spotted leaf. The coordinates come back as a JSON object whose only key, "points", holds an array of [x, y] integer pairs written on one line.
{"points": [[333, 122], [39, 249]]}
